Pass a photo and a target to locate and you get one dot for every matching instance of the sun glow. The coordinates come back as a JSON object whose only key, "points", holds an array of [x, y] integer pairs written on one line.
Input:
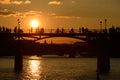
{"points": [[34, 23]]}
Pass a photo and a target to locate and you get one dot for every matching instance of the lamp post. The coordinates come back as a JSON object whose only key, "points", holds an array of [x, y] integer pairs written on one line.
{"points": [[100, 26], [105, 24], [18, 20], [18, 56]]}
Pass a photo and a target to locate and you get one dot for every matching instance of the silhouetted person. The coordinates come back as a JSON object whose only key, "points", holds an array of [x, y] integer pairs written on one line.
{"points": [[72, 30], [83, 30], [62, 30], [42, 30], [37, 30], [112, 30], [58, 30], [7, 30], [15, 30], [3, 29]]}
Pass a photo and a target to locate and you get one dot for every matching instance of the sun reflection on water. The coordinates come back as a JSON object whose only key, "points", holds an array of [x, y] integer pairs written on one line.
{"points": [[32, 69], [34, 66]]}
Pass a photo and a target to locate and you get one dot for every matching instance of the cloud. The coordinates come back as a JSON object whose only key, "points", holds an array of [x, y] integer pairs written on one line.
{"points": [[27, 2], [51, 14], [68, 17], [6, 13], [54, 15], [55, 3], [29, 13], [18, 2], [73, 1]]}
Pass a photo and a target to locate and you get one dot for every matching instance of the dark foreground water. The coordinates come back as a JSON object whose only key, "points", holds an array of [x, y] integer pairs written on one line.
{"points": [[56, 68]]}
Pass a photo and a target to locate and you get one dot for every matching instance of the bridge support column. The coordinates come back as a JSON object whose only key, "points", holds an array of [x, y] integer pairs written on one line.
{"points": [[103, 64], [18, 62], [103, 57]]}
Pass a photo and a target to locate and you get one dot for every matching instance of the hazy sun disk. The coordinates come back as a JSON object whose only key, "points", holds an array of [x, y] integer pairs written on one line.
{"points": [[34, 23]]}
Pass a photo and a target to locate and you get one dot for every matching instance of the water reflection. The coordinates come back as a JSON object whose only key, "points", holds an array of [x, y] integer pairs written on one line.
{"points": [[32, 68]]}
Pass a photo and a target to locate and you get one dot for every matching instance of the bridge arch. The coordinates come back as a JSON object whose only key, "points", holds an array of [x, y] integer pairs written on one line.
{"points": [[47, 37]]}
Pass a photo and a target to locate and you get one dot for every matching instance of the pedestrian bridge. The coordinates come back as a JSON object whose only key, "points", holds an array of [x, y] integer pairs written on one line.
{"points": [[80, 36], [103, 59]]}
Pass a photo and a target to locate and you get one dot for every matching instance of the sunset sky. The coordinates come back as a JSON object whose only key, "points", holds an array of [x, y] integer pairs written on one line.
{"points": [[60, 13]]}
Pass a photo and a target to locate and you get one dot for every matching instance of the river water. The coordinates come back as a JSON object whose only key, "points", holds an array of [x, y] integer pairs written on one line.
{"points": [[56, 68]]}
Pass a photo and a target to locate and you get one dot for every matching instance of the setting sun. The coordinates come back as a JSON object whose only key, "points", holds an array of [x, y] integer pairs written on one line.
{"points": [[34, 23]]}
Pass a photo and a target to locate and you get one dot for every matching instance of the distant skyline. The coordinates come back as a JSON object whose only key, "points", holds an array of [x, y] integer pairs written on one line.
{"points": [[60, 13]]}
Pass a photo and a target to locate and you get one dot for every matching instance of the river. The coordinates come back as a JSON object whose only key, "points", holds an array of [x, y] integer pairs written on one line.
{"points": [[57, 68]]}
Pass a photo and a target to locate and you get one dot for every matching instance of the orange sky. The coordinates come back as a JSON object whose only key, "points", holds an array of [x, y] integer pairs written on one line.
{"points": [[60, 13]]}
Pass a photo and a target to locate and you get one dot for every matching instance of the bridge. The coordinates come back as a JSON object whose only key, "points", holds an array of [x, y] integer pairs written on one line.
{"points": [[86, 35], [81, 33], [37, 36], [100, 39]]}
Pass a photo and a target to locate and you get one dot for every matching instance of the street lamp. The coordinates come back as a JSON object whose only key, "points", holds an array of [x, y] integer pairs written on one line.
{"points": [[100, 26]]}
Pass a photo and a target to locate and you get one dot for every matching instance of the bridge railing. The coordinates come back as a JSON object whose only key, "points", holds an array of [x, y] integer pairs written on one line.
{"points": [[66, 31], [62, 30]]}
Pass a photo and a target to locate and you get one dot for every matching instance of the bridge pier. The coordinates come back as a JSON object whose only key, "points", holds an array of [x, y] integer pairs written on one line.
{"points": [[103, 56], [18, 63], [103, 64]]}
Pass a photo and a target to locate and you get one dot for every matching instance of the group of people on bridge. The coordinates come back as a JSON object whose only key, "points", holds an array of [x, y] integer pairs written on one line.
{"points": [[58, 30], [5, 30]]}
